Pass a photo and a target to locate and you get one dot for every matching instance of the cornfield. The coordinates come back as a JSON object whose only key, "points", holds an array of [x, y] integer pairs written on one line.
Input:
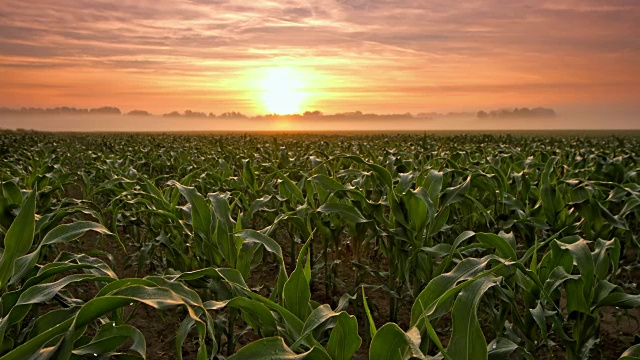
{"points": [[318, 247]]}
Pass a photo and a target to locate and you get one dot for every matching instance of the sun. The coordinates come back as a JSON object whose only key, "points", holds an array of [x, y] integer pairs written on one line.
{"points": [[282, 90]]}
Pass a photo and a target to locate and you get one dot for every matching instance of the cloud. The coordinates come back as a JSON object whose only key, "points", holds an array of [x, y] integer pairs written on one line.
{"points": [[207, 48]]}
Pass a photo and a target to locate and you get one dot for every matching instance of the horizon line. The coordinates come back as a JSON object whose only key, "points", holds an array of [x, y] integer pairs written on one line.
{"points": [[538, 111]]}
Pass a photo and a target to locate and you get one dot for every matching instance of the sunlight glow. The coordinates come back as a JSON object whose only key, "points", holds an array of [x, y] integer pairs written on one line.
{"points": [[282, 90]]}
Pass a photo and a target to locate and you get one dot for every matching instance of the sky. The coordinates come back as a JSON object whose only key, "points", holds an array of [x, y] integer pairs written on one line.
{"points": [[257, 57]]}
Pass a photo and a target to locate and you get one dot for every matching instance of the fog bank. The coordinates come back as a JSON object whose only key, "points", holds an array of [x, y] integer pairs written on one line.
{"points": [[124, 123]]}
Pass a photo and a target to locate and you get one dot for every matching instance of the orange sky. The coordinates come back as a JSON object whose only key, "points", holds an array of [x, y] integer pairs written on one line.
{"points": [[343, 55]]}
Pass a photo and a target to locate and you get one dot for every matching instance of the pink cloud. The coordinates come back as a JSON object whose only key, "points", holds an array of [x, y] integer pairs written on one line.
{"points": [[187, 50]]}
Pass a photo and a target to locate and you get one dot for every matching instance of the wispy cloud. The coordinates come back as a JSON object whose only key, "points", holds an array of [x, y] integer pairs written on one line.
{"points": [[371, 53]]}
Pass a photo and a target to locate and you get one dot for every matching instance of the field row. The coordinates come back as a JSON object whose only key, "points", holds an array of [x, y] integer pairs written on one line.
{"points": [[319, 247]]}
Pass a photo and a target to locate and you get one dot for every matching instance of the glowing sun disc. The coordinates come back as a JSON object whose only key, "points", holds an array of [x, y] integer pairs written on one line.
{"points": [[282, 91]]}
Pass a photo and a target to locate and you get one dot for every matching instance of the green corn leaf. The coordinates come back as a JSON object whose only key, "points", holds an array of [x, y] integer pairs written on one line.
{"points": [[391, 343], [427, 300], [433, 185], [584, 260], [576, 300], [258, 205], [503, 248], [467, 340], [433, 336], [18, 239], [248, 174], [603, 289], [68, 232], [317, 317], [419, 209], [459, 240], [224, 228], [632, 353], [51, 319], [274, 348], [502, 348], [110, 337], [557, 277], [621, 300], [539, 315], [456, 194], [372, 324], [548, 192], [11, 192], [246, 256], [327, 183], [292, 191], [611, 219], [90, 311], [382, 173], [606, 254], [405, 182], [344, 340], [201, 214], [62, 233], [256, 314], [296, 290], [258, 237], [182, 333], [347, 211]]}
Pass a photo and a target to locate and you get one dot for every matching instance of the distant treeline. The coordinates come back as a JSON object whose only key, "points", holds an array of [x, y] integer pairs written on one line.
{"points": [[538, 112], [110, 110], [196, 114], [319, 115], [62, 110], [345, 115]]}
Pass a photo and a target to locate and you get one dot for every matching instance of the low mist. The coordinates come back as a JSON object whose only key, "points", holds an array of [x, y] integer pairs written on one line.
{"points": [[125, 123]]}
